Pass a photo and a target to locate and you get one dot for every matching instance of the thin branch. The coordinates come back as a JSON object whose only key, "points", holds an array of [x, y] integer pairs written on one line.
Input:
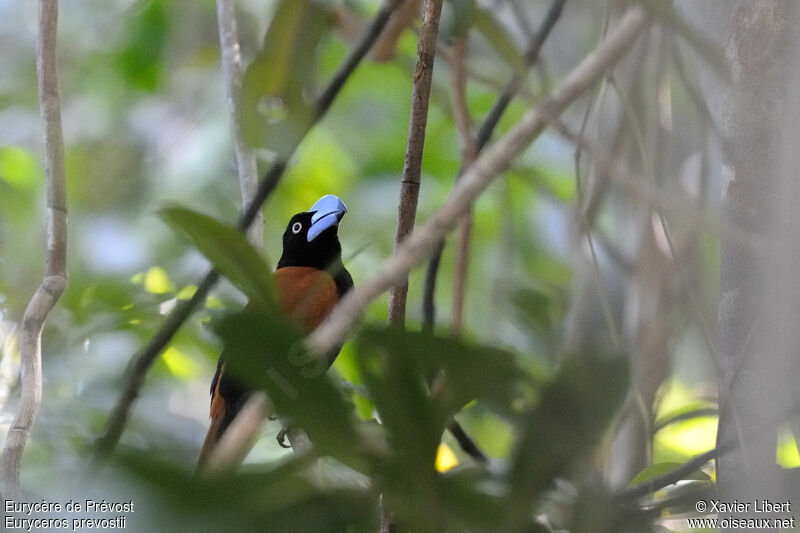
{"points": [[469, 152], [386, 44], [484, 134], [418, 246], [412, 168], [239, 438], [647, 192], [55, 267], [143, 359], [232, 72]]}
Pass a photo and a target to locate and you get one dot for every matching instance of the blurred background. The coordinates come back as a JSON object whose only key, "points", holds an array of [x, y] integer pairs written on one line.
{"points": [[566, 255]]}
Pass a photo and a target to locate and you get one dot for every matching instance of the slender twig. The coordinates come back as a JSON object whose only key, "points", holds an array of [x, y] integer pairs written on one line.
{"points": [[384, 49], [232, 72], [418, 246], [469, 151], [143, 359], [55, 265], [412, 168], [240, 436], [482, 138]]}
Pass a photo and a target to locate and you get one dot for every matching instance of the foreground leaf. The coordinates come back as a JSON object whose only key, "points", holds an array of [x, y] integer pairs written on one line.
{"points": [[227, 249]]}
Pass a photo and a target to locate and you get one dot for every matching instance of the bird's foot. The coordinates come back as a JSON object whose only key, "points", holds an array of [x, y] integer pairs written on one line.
{"points": [[281, 438]]}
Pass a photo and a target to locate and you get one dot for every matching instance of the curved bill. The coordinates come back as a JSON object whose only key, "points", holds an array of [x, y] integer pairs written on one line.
{"points": [[326, 212]]}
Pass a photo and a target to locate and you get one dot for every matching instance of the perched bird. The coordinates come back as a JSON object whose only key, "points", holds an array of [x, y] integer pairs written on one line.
{"points": [[309, 280]]}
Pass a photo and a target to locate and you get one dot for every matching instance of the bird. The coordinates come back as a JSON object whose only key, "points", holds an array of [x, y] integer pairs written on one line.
{"points": [[309, 280]]}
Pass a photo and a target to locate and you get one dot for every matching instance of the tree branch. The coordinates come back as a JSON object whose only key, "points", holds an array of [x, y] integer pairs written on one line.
{"points": [[412, 169], [143, 359], [387, 43], [55, 267], [474, 181], [232, 72], [482, 138], [469, 152]]}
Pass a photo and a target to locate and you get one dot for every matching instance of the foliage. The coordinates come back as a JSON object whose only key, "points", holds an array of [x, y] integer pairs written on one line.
{"points": [[146, 126]]}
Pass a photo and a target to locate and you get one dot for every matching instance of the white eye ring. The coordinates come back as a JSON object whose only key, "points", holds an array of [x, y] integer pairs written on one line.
{"points": [[296, 227]]}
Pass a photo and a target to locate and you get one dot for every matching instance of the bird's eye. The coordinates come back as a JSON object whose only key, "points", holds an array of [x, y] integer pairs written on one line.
{"points": [[296, 227]]}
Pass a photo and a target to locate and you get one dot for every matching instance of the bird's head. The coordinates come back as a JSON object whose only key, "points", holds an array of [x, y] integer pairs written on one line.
{"points": [[311, 237]]}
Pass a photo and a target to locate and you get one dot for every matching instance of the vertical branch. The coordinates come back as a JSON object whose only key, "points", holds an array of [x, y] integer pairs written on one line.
{"points": [[482, 138], [232, 72], [412, 169], [469, 152], [55, 267]]}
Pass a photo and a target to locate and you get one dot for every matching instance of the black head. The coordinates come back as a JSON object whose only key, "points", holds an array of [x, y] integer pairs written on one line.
{"points": [[311, 238]]}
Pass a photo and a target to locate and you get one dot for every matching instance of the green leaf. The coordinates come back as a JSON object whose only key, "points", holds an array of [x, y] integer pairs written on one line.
{"points": [[498, 37], [686, 412], [472, 371], [266, 352], [659, 469], [280, 496], [571, 416], [398, 388], [273, 109], [228, 250]]}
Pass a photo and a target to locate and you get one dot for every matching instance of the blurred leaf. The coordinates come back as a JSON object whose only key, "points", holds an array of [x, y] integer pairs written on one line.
{"points": [[445, 458], [273, 109], [535, 309], [787, 455], [571, 416], [498, 36], [659, 469], [596, 510], [186, 292], [267, 353], [180, 365], [712, 54], [472, 500], [227, 249], [19, 168], [156, 281], [279, 499], [687, 412], [472, 371], [398, 388], [141, 59], [689, 437]]}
